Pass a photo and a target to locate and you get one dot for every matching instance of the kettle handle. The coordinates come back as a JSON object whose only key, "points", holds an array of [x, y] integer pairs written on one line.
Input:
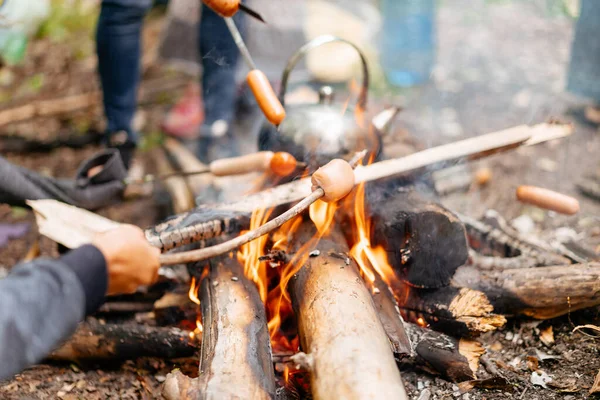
{"points": [[319, 41]]}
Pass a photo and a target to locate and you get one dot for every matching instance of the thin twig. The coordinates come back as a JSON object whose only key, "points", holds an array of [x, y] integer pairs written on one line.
{"points": [[225, 247]]}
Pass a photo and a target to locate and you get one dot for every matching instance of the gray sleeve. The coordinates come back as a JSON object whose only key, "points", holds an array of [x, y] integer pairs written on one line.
{"points": [[41, 303]]}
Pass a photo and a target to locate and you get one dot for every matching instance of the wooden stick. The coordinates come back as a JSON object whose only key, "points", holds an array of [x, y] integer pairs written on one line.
{"points": [[225, 247], [348, 353], [207, 217], [180, 194], [236, 349], [187, 162], [95, 341], [541, 293]]}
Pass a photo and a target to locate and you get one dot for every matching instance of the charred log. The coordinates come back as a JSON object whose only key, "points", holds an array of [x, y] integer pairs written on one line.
{"points": [[425, 242], [457, 311], [348, 353], [236, 348], [435, 352], [457, 359], [541, 293], [94, 341]]}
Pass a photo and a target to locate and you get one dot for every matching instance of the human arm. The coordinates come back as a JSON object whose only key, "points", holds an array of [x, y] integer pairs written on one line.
{"points": [[41, 302]]}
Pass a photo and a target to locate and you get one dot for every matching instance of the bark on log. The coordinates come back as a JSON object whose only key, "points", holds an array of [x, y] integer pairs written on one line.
{"points": [[541, 293], [456, 359], [93, 341], [425, 242], [236, 349], [348, 350]]}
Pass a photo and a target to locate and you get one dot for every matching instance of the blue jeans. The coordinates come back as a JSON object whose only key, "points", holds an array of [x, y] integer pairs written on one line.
{"points": [[118, 41]]}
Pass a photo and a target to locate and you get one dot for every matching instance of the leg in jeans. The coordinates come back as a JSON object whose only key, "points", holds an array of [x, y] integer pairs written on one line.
{"points": [[219, 56], [119, 48]]}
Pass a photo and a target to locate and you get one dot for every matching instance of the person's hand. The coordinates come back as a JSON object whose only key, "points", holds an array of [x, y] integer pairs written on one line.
{"points": [[130, 260]]}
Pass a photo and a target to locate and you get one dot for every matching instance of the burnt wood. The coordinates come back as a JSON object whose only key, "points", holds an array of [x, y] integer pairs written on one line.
{"points": [[95, 341], [435, 352], [425, 242]]}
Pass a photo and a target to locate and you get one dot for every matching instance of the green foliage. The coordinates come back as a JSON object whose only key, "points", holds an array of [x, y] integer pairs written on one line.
{"points": [[151, 140], [68, 19]]}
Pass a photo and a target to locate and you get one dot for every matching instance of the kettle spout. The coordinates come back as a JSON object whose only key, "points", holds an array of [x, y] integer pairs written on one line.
{"points": [[383, 121]]}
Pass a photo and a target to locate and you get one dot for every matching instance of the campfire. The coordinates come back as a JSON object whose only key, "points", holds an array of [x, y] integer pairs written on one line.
{"points": [[296, 293], [335, 299]]}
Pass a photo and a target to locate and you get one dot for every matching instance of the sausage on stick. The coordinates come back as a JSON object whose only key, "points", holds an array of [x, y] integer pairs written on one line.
{"points": [[548, 199]]}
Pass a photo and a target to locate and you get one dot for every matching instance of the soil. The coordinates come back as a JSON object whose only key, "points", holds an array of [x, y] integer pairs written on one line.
{"points": [[499, 64]]}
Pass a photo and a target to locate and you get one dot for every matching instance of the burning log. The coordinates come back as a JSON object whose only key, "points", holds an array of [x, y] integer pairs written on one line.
{"points": [[425, 242], [236, 348], [456, 359], [541, 293], [94, 341], [348, 353]]}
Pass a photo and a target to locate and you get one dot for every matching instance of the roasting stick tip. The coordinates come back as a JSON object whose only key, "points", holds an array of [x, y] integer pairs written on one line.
{"points": [[331, 182]]}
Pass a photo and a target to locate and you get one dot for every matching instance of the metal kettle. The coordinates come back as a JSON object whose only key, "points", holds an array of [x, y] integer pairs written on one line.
{"points": [[316, 133]]}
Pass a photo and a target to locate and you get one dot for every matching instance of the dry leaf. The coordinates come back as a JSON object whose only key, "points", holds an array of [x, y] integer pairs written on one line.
{"points": [[547, 336], [596, 386], [587, 326]]}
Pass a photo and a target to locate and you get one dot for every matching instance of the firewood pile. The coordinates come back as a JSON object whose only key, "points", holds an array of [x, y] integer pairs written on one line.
{"points": [[340, 299]]}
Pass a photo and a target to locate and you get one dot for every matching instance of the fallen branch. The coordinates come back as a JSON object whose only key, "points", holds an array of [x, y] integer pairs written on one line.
{"points": [[71, 103]]}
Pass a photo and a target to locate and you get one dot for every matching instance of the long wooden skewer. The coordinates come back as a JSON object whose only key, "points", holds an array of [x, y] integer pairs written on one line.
{"points": [[331, 182]]}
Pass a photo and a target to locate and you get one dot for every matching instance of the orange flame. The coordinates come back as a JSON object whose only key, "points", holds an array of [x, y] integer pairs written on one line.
{"points": [[250, 253], [193, 295]]}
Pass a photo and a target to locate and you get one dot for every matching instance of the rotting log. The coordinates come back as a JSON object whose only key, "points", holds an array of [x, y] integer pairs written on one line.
{"points": [[455, 310], [540, 293], [425, 243], [348, 352], [236, 349], [435, 352], [95, 341]]}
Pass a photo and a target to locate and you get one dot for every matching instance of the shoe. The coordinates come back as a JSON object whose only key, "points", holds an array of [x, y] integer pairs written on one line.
{"points": [[120, 141], [185, 118]]}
